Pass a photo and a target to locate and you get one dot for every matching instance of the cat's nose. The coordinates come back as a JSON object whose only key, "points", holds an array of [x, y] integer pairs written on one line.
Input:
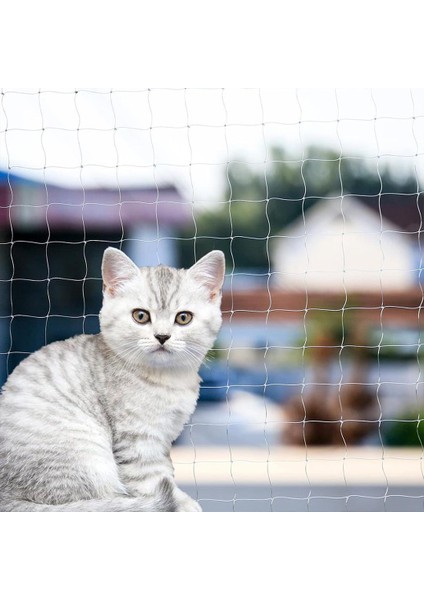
{"points": [[162, 338]]}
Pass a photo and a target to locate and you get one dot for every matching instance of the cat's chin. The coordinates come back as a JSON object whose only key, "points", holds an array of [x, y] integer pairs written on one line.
{"points": [[167, 359], [161, 358]]}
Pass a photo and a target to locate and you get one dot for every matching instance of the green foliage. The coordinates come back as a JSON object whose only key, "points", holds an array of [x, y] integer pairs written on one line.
{"points": [[260, 201], [407, 431]]}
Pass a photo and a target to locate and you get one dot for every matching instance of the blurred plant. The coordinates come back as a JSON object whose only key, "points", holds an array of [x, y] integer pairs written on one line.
{"points": [[332, 329], [327, 413]]}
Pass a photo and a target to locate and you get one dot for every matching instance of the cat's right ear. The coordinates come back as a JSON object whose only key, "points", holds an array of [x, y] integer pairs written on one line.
{"points": [[117, 270], [209, 272]]}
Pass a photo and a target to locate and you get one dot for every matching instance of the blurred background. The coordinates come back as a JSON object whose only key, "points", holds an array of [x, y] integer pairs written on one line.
{"points": [[312, 398]]}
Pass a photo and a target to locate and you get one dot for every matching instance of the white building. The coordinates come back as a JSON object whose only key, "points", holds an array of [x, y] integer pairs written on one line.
{"points": [[344, 245]]}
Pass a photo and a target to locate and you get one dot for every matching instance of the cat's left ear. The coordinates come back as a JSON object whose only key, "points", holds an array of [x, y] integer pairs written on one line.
{"points": [[209, 272], [117, 269]]}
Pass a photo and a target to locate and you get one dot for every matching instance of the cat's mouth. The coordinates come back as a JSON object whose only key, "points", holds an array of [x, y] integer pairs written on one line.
{"points": [[162, 349]]}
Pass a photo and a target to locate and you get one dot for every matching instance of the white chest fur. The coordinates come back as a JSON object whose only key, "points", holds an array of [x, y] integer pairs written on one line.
{"points": [[154, 410]]}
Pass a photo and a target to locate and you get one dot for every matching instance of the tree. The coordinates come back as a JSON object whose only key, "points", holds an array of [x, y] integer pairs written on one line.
{"points": [[261, 201]]}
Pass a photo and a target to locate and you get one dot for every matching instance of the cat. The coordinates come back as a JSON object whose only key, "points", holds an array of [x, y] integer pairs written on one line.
{"points": [[87, 424]]}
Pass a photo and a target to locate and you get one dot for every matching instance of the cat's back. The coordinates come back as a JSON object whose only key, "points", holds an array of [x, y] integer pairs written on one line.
{"points": [[63, 372]]}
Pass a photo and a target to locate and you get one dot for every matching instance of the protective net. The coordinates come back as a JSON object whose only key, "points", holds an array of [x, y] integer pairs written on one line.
{"points": [[312, 396]]}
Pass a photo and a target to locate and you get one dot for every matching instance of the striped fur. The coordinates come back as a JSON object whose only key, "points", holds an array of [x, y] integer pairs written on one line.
{"points": [[87, 424]]}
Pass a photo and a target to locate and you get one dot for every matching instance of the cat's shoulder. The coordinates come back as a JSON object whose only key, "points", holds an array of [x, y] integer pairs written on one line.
{"points": [[75, 343], [69, 356], [79, 348]]}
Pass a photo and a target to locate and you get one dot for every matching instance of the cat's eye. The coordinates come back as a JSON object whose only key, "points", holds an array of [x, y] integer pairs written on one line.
{"points": [[183, 318], [141, 316]]}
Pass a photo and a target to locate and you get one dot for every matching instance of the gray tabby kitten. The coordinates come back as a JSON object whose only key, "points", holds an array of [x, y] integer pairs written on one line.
{"points": [[87, 424]]}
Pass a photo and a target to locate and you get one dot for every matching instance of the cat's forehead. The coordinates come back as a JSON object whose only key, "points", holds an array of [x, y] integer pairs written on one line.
{"points": [[162, 285]]}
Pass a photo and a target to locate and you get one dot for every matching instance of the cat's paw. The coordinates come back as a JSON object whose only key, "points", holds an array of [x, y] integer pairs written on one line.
{"points": [[189, 505], [185, 503]]}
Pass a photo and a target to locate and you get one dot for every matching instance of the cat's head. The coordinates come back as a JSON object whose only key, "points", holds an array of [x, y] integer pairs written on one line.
{"points": [[159, 316]]}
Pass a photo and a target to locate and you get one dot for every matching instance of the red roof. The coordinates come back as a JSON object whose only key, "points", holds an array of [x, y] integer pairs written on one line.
{"points": [[404, 210]]}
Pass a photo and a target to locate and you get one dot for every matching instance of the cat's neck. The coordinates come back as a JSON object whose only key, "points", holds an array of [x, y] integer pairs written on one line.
{"points": [[170, 378]]}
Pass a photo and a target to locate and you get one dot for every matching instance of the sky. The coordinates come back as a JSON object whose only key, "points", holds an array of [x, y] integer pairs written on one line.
{"points": [[108, 137], [357, 54]]}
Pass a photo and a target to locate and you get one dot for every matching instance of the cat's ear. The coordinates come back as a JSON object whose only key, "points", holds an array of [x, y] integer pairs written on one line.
{"points": [[117, 269], [209, 272]]}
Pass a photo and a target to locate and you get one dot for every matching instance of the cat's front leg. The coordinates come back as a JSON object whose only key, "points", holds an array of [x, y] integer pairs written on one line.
{"points": [[142, 477]]}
